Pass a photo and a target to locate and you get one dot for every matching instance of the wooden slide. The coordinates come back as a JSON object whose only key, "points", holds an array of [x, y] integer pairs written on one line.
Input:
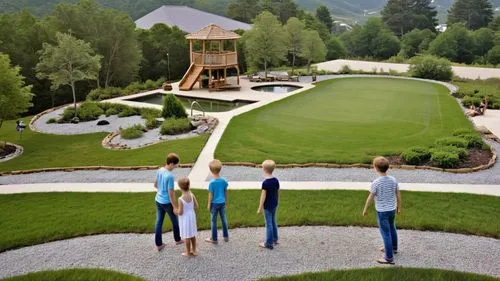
{"points": [[190, 77]]}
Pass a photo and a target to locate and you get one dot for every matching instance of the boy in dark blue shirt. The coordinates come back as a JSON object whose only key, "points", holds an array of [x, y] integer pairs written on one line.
{"points": [[269, 202]]}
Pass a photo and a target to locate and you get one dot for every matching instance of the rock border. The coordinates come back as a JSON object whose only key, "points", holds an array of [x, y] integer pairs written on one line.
{"points": [[490, 164], [89, 168], [17, 153], [36, 117]]}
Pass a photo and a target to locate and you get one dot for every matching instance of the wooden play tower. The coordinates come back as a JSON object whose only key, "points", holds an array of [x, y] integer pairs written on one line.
{"points": [[212, 58]]}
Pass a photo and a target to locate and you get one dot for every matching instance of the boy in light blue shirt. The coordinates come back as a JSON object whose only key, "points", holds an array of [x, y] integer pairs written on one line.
{"points": [[217, 201], [165, 200]]}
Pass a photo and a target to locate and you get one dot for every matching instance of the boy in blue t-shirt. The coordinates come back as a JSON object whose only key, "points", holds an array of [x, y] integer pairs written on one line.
{"points": [[165, 200], [217, 201], [269, 202], [385, 192]]}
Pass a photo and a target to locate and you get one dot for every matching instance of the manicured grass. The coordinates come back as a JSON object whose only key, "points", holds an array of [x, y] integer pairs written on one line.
{"points": [[85, 274], [27, 219], [377, 274], [347, 120], [47, 150]]}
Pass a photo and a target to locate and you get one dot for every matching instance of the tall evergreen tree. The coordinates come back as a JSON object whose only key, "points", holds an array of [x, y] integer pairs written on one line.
{"points": [[243, 10], [323, 15], [473, 13], [402, 16]]}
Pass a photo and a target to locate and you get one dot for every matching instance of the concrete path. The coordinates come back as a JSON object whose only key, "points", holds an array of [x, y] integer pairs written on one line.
{"points": [[460, 71], [301, 249], [493, 190], [490, 120]]}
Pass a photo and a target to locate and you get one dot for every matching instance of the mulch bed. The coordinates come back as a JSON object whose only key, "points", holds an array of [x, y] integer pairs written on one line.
{"points": [[476, 157], [7, 150]]}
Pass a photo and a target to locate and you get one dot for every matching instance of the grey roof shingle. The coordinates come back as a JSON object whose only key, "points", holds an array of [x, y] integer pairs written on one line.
{"points": [[187, 19]]}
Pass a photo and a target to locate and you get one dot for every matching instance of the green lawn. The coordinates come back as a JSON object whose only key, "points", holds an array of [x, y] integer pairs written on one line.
{"points": [[46, 150], [347, 120], [33, 218], [85, 274], [377, 274]]}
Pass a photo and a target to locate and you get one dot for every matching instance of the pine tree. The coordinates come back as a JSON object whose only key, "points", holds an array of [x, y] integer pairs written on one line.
{"points": [[323, 15], [402, 16], [473, 13]]}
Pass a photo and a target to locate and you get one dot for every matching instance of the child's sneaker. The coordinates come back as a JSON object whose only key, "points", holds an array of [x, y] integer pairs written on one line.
{"points": [[263, 245], [226, 239], [209, 240], [159, 248]]}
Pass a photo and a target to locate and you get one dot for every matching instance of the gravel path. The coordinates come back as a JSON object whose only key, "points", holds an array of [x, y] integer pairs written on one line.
{"points": [[150, 137], [237, 173], [84, 127], [302, 249], [98, 176]]}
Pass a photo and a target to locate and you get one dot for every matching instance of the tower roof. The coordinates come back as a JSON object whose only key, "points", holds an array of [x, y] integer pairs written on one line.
{"points": [[213, 32]]}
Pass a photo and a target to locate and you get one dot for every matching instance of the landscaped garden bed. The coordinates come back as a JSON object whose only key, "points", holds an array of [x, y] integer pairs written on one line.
{"points": [[6, 150]]}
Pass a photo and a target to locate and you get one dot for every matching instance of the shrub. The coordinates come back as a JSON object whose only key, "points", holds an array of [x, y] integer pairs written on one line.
{"points": [[68, 114], [172, 107], [452, 141], [133, 132], [128, 111], [100, 94], [444, 159], [172, 126], [416, 155], [345, 70], [112, 111], [461, 152], [472, 138], [467, 101], [148, 113], [89, 111], [431, 67], [152, 123], [51, 121], [394, 72]]}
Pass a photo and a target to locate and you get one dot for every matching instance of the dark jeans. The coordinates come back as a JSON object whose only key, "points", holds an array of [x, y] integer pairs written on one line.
{"points": [[271, 227], [387, 228], [161, 209], [220, 209]]}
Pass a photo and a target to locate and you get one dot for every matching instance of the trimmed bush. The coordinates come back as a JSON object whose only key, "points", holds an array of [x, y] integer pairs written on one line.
{"points": [[444, 159], [133, 132], [51, 121], [461, 152], [148, 113], [416, 155], [172, 126], [467, 101], [89, 111], [431, 67], [112, 111], [128, 111], [152, 123], [345, 70], [452, 141], [472, 138], [172, 107], [100, 94], [68, 114]]}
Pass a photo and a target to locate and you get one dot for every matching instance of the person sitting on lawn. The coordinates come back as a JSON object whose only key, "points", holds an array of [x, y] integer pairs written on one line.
{"points": [[483, 106], [471, 112], [385, 191]]}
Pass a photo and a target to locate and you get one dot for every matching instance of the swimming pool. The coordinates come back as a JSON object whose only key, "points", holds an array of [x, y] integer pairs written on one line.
{"points": [[208, 105], [280, 89]]}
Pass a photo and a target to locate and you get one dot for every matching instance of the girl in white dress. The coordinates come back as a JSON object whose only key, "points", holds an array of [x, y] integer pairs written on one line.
{"points": [[187, 217]]}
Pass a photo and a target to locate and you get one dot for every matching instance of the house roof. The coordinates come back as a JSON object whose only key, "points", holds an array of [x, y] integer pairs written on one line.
{"points": [[213, 32], [187, 19]]}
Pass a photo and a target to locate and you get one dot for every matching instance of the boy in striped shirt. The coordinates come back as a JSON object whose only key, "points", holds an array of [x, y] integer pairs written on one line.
{"points": [[385, 191]]}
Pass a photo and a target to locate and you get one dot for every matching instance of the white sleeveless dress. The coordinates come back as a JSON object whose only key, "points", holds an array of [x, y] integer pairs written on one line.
{"points": [[187, 222]]}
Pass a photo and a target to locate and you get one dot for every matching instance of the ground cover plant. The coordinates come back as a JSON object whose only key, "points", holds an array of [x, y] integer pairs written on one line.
{"points": [[133, 132], [54, 216], [348, 120], [47, 150], [472, 91], [100, 94], [75, 274], [376, 274]]}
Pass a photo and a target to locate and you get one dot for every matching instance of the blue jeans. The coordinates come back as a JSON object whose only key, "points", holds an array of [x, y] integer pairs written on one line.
{"points": [[387, 228], [271, 227], [218, 208], [161, 210]]}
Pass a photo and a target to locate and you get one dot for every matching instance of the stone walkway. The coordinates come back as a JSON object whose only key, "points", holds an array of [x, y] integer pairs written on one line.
{"points": [[301, 249]]}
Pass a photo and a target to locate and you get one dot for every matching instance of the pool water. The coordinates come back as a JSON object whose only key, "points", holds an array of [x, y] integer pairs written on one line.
{"points": [[280, 89], [207, 104]]}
